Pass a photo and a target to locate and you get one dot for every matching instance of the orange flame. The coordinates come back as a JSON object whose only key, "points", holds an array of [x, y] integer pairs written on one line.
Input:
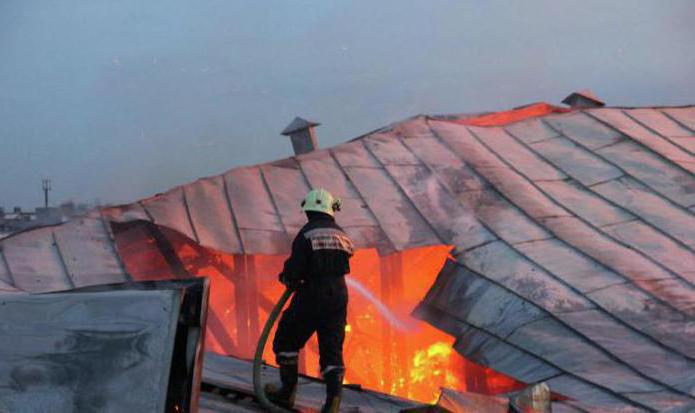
{"points": [[414, 364]]}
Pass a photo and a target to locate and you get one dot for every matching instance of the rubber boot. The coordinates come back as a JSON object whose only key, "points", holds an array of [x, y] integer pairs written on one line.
{"points": [[284, 394], [334, 390]]}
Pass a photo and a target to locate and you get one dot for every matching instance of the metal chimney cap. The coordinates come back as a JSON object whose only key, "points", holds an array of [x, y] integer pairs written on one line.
{"points": [[584, 98], [297, 125]]}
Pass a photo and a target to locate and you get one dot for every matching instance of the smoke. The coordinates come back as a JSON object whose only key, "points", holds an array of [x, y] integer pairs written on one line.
{"points": [[395, 321]]}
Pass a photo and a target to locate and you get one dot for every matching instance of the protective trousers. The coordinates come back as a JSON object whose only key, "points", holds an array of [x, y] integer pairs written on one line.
{"points": [[318, 308]]}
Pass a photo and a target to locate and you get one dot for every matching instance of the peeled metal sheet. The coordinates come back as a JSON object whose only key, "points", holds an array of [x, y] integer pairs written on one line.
{"points": [[503, 265], [211, 215], [87, 352], [524, 160], [661, 176], [88, 252], [576, 161], [34, 261]]}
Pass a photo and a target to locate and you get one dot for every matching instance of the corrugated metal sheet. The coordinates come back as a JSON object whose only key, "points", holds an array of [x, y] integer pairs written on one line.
{"points": [[573, 235]]}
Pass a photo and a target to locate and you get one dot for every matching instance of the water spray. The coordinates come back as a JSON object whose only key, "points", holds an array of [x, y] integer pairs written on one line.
{"points": [[275, 313]]}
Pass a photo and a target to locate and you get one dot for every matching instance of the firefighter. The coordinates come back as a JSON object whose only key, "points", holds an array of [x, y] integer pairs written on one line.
{"points": [[316, 270]]}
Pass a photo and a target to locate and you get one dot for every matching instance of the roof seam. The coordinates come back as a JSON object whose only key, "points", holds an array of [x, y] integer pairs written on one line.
{"points": [[61, 258], [608, 201], [362, 198], [655, 132], [540, 359], [112, 245], [588, 224], [275, 206], [626, 280], [638, 142], [6, 264], [581, 336], [188, 215], [402, 191], [675, 120], [625, 175], [232, 214]]}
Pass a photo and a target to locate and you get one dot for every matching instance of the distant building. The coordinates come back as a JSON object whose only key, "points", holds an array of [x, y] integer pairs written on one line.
{"points": [[19, 220]]}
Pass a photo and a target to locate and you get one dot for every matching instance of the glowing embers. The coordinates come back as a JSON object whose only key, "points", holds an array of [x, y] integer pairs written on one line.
{"points": [[386, 348]]}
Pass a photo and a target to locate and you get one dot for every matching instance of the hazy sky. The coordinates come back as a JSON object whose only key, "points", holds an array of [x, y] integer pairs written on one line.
{"points": [[118, 100]]}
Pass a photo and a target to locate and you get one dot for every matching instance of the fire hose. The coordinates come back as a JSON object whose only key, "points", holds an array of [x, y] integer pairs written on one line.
{"points": [[258, 358]]}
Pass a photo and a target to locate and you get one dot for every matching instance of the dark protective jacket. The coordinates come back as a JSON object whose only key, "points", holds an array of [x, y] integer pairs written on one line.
{"points": [[316, 268], [320, 252]]}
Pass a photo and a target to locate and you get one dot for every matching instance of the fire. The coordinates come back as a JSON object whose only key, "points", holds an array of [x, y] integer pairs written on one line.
{"points": [[386, 349], [431, 368]]}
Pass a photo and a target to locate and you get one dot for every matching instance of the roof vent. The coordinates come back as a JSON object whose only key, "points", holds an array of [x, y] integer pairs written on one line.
{"points": [[301, 131], [583, 99]]}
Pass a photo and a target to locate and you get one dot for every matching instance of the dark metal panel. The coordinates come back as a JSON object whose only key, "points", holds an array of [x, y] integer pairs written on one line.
{"points": [[527, 162], [658, 211], [653, 318], [34, 261], [662, 177], [211, 215], [576, 161], [652, 360], [87, 251], [585, 204], [590, 399], [549, 339], [67, 352], [505, 266]]}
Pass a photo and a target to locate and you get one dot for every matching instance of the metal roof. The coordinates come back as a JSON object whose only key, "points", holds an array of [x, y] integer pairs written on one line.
{"points": [[577, 227]]}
